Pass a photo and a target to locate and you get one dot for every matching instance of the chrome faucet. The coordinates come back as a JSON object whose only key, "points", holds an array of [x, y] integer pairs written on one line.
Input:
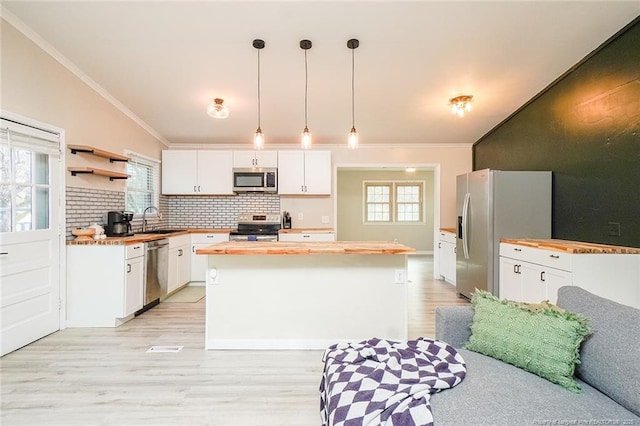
{"points": [[144, 217]]}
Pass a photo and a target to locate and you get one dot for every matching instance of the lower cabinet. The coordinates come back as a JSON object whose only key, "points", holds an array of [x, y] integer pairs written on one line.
{"points": [[179, 262], [531, 275], [105, 284], [306, 236], [447, 256], [199, 262]]}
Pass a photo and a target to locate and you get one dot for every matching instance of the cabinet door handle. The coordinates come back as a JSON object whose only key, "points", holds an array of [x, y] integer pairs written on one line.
{"points": [[193, 249], [179, 252], [128, 268], [4, 253], [517, 249], [542, 276], [194, 188], [211, 236], [515, 269], [455, 249], [306, 236], [554, 256], [439, 245], [199, 190]]}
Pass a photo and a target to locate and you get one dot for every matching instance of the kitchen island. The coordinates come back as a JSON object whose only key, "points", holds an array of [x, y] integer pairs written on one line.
{"points": [[304, 295]]}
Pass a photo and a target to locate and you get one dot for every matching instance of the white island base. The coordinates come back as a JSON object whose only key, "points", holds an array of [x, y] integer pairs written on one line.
{"points": [[304, 301]]}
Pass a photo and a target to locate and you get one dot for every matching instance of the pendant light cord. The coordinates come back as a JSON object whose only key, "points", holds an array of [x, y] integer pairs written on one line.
{"points": [[305, 88], [258, 88], [353, 92]]}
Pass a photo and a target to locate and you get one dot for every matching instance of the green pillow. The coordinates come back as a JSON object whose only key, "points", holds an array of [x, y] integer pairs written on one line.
{"points": [[542, 339]]}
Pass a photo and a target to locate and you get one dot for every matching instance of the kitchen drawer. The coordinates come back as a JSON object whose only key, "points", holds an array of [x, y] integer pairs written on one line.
{"points": [[448, 237], [555, 259], [134, 250], [212, 238], [520, 252]]}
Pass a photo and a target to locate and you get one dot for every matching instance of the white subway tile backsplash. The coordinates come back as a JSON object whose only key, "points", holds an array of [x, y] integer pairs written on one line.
{"points": [[85, 206]]}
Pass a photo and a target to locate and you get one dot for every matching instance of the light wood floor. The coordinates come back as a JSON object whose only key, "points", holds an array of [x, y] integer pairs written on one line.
{"points": [[103, 376]]}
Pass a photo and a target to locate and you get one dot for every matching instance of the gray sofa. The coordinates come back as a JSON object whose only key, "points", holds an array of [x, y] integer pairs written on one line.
{"points": [[496, 393]]}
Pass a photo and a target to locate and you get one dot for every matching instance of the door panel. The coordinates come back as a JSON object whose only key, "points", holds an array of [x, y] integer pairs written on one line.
{"points": [[30, 237]]}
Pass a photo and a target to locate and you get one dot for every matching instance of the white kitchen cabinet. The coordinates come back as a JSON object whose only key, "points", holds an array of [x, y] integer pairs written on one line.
{"points": [[179, 262], [191, 172], [314, 236], [304, 172], [447, 256], [134, 279], [105, 284], [251, 159], [531, 274], [199, 261]]}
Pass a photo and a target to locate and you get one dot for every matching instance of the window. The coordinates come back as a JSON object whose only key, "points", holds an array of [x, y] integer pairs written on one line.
{"points": [[142, 185], [25, 187], [393, 202]]}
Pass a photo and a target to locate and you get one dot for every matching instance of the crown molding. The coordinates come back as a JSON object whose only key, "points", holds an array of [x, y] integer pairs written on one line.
{"points": [[65, 62], [319, 147]]}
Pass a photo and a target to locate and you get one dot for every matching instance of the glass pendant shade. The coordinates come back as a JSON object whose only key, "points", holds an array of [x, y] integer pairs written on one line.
{"points": [[217, 109], [306, 138], [258, 139], [352, 141]]}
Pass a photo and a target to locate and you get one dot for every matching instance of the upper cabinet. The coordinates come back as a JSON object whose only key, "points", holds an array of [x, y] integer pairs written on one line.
{"points": [[197, 172], [304, 172], [250, 159]]}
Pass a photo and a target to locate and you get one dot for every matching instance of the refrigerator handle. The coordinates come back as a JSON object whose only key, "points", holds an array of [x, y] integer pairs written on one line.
{"points": [[465, 224]]}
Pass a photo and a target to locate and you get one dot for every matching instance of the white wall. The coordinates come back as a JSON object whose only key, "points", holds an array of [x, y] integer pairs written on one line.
{"points": [[35, 85]]}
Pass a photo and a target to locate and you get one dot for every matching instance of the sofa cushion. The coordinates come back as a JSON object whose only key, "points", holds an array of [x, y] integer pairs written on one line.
{"points": [[611, 355], [496, 393], [543, 340]]}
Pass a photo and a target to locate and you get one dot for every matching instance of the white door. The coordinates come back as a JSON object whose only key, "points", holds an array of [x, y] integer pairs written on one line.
{"points": [[30, 234]]}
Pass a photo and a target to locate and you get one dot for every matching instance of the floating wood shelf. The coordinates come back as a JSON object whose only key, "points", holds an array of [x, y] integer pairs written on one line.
{"points": [[99, 152], [100, 172]]}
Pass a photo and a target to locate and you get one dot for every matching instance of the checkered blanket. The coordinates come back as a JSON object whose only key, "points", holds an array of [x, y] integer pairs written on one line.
{"points": [[381, 382]]}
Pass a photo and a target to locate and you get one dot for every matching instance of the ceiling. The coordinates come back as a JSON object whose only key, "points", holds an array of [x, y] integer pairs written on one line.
{"points": [[165, 61]]}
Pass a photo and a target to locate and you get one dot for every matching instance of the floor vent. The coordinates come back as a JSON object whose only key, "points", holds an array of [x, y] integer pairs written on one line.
{"points": [[155, 349]]}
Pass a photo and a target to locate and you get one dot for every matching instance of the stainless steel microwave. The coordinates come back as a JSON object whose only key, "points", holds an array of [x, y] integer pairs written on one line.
{"points": [[255, 180]]}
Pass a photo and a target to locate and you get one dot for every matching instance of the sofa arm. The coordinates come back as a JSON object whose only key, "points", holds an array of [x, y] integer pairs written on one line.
{"points": [[453, 324]]}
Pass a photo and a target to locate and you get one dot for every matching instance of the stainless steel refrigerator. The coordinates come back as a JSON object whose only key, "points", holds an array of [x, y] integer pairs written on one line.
{"points": [[494, 204]]}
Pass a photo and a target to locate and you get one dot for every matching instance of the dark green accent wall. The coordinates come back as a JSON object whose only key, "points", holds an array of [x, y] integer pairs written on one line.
{"points": [[585, 127]]}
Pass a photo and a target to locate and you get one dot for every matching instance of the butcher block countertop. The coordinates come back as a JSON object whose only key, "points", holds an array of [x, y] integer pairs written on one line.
{"points": [[572, 246], [306, 230], [320, 247], [452, 230], [143, 238]]}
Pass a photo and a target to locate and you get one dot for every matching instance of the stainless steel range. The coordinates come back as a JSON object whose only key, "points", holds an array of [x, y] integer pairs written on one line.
{"points": [[256, 227]]}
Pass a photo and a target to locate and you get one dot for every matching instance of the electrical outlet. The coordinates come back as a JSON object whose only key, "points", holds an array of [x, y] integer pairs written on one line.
{"points": [[399, 276], [325, 219], [614, 229], [300, 216]]}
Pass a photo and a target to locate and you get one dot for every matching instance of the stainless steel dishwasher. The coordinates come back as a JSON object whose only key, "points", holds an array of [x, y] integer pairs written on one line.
{"points": [[157, 271]]}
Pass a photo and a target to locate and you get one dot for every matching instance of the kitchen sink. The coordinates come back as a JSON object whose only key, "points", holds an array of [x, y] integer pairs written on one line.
{"points": [[163, 231]]}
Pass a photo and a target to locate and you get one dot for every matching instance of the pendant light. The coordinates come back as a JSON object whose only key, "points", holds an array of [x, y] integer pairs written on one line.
{"points": [[306, 134], [258, 138], [352, 141]]}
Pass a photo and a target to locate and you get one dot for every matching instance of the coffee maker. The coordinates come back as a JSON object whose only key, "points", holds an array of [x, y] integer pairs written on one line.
{"points": [[119, 224]]}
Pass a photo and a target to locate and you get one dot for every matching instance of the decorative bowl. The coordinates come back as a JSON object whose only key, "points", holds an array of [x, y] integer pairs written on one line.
{"points": [[84, 234]]}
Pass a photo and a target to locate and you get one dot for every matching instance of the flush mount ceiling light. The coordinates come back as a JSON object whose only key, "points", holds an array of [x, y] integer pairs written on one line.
{"points": [[217, 109], [306, 134], [352, 141], [461, 104], [258, 138]]}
